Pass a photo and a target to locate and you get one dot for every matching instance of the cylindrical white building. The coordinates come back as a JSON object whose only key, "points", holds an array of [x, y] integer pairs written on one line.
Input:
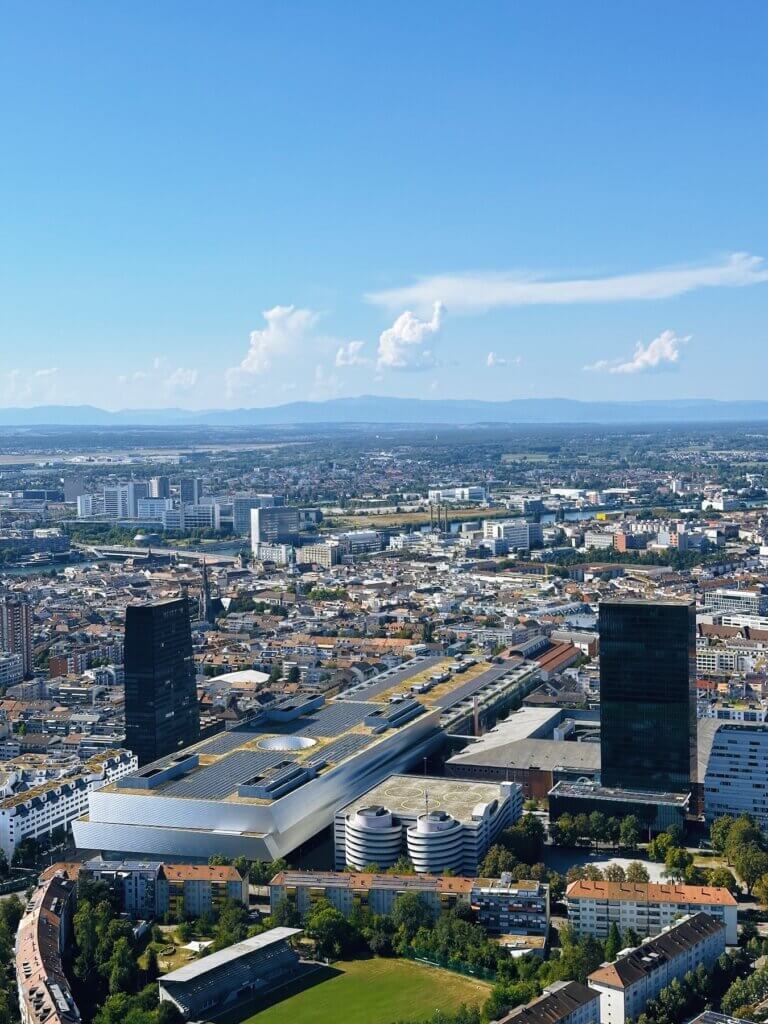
{"points": [[372, 836], [436, 843]]}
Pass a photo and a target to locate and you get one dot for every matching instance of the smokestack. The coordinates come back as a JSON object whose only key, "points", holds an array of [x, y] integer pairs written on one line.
{"points": [[476, 716]]}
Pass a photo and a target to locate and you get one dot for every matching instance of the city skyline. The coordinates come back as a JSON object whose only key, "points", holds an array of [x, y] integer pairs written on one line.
{"points": [[498, 203]]}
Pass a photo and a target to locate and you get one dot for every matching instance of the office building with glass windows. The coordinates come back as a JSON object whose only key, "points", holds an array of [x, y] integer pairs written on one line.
{"points": [[647, 695], [161, 709]]}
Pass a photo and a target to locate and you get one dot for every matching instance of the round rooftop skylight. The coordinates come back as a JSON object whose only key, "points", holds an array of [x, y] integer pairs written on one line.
{"points": [[287, 743]]}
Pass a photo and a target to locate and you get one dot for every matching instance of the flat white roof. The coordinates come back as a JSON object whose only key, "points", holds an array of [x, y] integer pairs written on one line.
{"points": [[246, 676], [225, 956]]}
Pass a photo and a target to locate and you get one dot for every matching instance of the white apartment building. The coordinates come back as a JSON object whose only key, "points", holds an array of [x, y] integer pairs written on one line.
{"points": [[11, 668], [90, 505], [325, 555], [645, 907], [280, 554], [517, 533], [153, 508], [358, 542], [121, 501], [190, 517], [637, 975], [598, 539], [749, 601], [562, 1002], [32, 813], [736, 771], [724, 660], [474, 492], [735, 712]]}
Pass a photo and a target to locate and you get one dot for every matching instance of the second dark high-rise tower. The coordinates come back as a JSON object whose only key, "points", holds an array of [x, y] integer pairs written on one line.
{"points": [[647, 695], [161, 710]]}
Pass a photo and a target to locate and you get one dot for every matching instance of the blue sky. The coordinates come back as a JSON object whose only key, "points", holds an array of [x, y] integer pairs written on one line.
{"points": [[248, 203]]}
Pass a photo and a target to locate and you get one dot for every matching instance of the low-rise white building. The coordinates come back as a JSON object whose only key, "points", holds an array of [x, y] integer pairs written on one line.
{"points": [[516, 533], [32, 813]]}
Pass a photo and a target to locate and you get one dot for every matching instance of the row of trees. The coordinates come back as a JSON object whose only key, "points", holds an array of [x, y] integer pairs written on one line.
{"points": [[743, 845], [258, 872], [596, 829], [635, 871], [110, 985], [104, 957], [679, 866], [451, 938], [744, 994], [10, 914]]}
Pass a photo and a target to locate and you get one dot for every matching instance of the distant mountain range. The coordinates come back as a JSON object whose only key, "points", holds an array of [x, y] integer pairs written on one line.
{"points": [[376, 409]]}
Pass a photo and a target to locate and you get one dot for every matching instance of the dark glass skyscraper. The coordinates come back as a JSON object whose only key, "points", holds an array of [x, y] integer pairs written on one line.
{"points": [[161, 710], [648, 695]]}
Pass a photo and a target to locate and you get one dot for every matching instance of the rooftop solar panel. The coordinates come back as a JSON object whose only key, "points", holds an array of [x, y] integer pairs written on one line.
{"points": [[493, 673], [230, 740], [222, 778], [334, 719], [339, 749], [393, 678]]}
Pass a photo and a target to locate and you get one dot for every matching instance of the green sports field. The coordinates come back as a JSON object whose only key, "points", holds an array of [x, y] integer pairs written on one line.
{"points": [[376, 991]]}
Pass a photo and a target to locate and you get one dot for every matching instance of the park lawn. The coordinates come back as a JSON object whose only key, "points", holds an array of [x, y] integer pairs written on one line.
{"points": [[375, 991]]}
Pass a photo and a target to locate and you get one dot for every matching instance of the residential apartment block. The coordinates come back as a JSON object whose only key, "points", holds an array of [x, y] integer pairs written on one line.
{"points": [[349, 890], [42, 938], [502, 907], [152, 889], [637, 975], [646, 908], [563, 1002]]}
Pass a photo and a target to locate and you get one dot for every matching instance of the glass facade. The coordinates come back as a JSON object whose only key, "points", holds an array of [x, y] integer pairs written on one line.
{"points": [[648, 695], [161, 710]]}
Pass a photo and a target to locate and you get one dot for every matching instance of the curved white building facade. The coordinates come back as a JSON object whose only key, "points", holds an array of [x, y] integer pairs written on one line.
{"points": [[436, 843], [438, 823], [372, 836]]}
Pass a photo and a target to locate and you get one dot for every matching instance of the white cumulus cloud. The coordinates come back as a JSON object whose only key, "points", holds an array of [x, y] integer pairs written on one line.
{"points": [[181, 380], [286, 327], [351, 354], [324, 385], [473, 292], [160, 378], [402, 346], [662, 352], [20, 387]]}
